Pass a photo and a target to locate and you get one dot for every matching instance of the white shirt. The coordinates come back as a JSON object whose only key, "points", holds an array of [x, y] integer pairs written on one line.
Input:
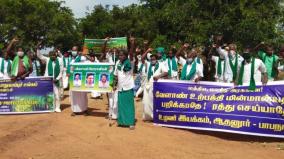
{"points": [[217, 77], [143, 72], [5, 73], [162, 69], [46, 60], [174, 73], [34, 63], [125, 79], [259, 68], [198, 73], [182, 62]]}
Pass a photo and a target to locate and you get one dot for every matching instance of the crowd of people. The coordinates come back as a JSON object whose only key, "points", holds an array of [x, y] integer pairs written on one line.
{"points": [[138, 67]]}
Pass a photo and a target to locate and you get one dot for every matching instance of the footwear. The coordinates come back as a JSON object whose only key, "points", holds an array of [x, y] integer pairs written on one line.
{"points": [[86, 113], [73, 114], [57, 110], [131, 127]]}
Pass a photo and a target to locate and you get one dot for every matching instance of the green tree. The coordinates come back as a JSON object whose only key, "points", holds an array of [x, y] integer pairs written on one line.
{"points": [[34, 20]]}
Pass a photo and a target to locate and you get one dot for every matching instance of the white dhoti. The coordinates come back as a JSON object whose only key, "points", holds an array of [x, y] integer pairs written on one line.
{"points": [[148, 102], [95, 94], [112, 100], [141, 88], [79, 101], [65, 80], [57, 93]]}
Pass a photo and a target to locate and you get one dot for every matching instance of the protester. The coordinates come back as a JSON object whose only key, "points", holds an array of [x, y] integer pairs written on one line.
{"points": [[21, 65], [141, 73], [155, 71], [5, 66], [192, 70], [66, 65], [79, 100], [36, 64], [54, 68], [110, 56], [172, 64], [270, 60], [252, 70], [125, 84], [232, 62]]}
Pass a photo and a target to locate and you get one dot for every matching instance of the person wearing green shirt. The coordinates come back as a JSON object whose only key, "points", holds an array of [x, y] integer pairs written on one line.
{"points": [[270, 60]]}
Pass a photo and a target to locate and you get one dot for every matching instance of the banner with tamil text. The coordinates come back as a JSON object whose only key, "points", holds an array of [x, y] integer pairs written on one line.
{"points": [[220, 107], [32, 95]]}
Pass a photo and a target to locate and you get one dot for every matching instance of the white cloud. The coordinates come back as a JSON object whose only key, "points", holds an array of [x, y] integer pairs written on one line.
{"points": [[79, 7]]}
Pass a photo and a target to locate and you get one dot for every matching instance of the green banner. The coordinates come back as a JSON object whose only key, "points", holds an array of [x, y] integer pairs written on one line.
{"points": [[91, 77], [96, 44]]}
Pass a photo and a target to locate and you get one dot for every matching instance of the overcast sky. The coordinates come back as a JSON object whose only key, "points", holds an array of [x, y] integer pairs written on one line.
{"points": [[79, 7]]}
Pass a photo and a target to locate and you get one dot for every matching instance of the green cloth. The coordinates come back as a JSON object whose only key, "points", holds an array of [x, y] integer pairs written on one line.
{"points": [[172, 67], [126, 109], [54, 71], [219, 67], [15, 64], [270, 64], [67, 64], [252, 85], [150, 71], [191, 74], [125, 65], [198, 60], [38, 72], [3, 66], [234, 67], [162, 51], [114, 58], [141, 68], [78, 58]]}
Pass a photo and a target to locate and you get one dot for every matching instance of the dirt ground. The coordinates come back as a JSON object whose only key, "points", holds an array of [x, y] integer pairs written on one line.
{"points": [[58, 135]]}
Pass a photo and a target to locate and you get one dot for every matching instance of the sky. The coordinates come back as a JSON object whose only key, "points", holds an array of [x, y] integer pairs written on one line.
{"points": [[79, 7]]}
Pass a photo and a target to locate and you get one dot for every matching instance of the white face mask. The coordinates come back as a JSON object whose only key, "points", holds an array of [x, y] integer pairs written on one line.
{"points": [[189, 61], [139, 57], [20, 53], [74, 53], [154, 62], [232, 53]]}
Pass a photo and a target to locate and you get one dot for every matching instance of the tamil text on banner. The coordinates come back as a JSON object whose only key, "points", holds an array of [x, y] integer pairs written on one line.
{"points": [[32, 95], [220, 107], [91, 77], [97, 44]]}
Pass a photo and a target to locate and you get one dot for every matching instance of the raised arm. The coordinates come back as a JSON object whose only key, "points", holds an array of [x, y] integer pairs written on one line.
{"points": [[103, 55], [40, 56], [13, 41], [132, 46], [184, 46], [144, 55], [258, 46], [61, 70]]}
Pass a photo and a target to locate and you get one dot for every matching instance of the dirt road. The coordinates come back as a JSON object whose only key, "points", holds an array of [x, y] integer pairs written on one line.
{"points": [[58, 135]]}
